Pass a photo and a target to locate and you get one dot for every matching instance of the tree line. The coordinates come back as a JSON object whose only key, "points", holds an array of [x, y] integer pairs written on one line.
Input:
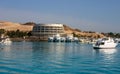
{"points": [[111, 34], [20, 34], [15, 34]]}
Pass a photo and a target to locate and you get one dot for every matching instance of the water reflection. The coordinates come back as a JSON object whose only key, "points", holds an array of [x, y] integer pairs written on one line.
{"points": [[107, 56], [106, 51], [54, 55], [54, 58], [5, 50]]}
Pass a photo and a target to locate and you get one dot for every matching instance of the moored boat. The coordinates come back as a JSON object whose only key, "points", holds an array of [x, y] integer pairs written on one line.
{"points": [[105, 43], [50, 39], [5, 40]]}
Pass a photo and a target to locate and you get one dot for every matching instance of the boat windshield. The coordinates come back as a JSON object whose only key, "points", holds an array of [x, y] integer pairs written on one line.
{"points": [[99, 43], [102, 43]]}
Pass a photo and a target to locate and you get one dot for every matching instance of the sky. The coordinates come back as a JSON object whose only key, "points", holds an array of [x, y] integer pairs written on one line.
{"points": [[86, 15]]}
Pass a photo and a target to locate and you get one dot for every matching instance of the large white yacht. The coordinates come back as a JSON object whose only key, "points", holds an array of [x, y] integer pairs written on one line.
{"points": [[105, 43]]}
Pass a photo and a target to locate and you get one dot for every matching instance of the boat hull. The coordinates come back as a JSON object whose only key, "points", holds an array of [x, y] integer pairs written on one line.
{"points": [[105, 46]]}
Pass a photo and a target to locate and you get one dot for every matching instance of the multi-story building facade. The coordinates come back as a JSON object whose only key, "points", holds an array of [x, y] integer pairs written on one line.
{"points": [[47, 30]]}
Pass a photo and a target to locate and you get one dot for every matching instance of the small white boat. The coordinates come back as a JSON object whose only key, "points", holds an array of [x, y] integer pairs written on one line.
{"points": [[56, 38], [69, 38], [50, 39], [75, 39], [62, 39], [117, 40], [105, 43], [5, 41]]}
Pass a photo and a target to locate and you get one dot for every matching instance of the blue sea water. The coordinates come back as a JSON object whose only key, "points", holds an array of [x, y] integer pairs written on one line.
{"points": [[57, 58]]}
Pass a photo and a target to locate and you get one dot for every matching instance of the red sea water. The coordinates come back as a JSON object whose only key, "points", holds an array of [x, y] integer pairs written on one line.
{"points": [[57, 58]]}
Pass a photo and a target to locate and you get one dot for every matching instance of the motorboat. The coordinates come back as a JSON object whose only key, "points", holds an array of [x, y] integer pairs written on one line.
{"points": [[50, 39], [69, 38], [105, 43], [62, 39], [5, 40], [75, 39], [56, 38], [117, 40]]}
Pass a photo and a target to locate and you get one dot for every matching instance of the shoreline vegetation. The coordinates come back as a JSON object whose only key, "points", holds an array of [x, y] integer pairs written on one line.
{"points": [[27, 40], [22, 32]]}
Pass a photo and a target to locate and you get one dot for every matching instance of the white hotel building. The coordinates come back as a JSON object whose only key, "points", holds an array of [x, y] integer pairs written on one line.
{"points": [[47, 30]]}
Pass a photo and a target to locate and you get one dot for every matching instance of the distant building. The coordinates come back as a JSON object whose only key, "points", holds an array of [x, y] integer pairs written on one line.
{"points": [[47, 30]]}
